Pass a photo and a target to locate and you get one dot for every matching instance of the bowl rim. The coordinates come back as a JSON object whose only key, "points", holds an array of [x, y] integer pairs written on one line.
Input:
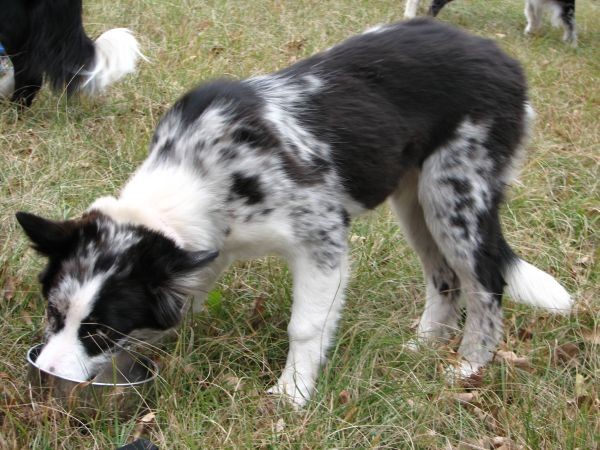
{"points": [[151, 365]]}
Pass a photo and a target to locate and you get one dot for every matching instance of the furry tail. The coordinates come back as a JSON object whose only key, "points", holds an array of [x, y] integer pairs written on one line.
{"points": [[116, 53], [527, 284]]}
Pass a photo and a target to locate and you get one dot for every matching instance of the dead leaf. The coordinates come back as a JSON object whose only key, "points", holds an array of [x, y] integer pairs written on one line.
{"points": [[503, 443], [490, 422], [351, 414], [524, 333], [511, 358], [280, 426], [232, 382], [148, 417], [8, 290], [216, 50], [143, 423], [258, 312], [344, 397], [295, 45], [355, 238], [566, 354], [473, 381], [592, 336], [466, 397], [584, 260], [266, 405]]}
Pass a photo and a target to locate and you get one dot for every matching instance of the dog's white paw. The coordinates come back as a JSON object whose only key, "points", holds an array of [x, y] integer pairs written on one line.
{"points": [[413, 345], [464, 371], [289, 390]]}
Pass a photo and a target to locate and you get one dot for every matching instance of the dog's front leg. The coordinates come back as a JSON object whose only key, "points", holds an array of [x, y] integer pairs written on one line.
{"points": [[319, 285]]}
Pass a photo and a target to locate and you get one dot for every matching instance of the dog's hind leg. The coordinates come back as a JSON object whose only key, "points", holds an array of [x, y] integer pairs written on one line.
{"points": [[410, 10], [533, 13], [440, 316], [436, 6], [460, 189], [567, 17]]}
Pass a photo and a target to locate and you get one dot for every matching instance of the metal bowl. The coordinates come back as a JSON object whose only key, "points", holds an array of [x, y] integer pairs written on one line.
{"points": [[124, 385]]}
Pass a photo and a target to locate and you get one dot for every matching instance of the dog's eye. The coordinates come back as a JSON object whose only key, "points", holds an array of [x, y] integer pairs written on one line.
{"points": [[56, 321], [96, 337]]}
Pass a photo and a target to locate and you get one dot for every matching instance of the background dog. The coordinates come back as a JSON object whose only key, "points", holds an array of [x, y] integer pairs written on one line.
{"points": [[419, 113], [46, 39], [563, 13]]}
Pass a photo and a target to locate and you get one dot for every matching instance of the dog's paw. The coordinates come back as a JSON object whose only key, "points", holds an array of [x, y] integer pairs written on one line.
{"points": [[413, 345], [289, 391], [465, 373]]}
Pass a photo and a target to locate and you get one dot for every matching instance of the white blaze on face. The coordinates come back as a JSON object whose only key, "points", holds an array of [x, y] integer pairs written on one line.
{"points": [[64, 354]]}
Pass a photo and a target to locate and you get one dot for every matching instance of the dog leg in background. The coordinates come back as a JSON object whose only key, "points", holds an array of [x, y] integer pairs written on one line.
{"points": [[116, 53], [436, 7], [533, 13], [410, 10], [27, 80], [564, 14]]}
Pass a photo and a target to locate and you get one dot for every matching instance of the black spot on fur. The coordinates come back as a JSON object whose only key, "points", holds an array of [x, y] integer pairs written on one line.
{"points": [[461, 186], [166, 148], [460, 222], [258, 136], [462, 203], [247, 187], [228, 154], [304, 173], [345, 218]]}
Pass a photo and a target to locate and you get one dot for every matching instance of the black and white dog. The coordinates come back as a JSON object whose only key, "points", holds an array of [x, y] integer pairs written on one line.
{"points": [[419, 113], [563, 13], [46, 39]]}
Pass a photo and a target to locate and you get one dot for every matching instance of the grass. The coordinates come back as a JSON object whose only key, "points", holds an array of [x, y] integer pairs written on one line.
{"points": [[62, 154]]}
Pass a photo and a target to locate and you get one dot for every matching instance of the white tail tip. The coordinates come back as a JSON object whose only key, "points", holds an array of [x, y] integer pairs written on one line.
{"points": [[528, 284], [117, 53]]}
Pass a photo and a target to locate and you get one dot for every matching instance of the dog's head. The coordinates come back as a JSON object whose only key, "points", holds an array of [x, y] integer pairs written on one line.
{"points": [[106, 284]]}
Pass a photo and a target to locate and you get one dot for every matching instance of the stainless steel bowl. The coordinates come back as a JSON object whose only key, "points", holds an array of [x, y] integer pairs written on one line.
{"points": [[123, 386]]}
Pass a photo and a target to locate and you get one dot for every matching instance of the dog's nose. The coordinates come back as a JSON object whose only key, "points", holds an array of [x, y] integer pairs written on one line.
{"points": [[51, 369]]}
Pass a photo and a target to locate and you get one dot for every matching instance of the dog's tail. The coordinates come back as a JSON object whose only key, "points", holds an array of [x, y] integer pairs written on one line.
{"points": [[527, 284], [116, 53]]}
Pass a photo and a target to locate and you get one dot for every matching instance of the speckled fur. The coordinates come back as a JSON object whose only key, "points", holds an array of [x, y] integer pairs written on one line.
{"points": [[420, 113]]}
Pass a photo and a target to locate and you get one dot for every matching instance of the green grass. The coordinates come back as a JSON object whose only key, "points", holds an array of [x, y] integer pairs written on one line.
{"points": [[61, 155]]}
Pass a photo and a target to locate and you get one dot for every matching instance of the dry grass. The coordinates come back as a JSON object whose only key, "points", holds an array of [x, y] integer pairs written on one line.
{"points": [[61, 155]]}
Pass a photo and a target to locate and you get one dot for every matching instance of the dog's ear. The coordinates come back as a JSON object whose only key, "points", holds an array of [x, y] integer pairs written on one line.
{"points": [[178, 272], [186, 261], [48, 237]]}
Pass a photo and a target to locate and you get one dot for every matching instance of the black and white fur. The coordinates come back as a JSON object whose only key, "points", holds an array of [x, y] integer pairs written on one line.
{"points": [[563, 13], [46, 39], [419, 113]]}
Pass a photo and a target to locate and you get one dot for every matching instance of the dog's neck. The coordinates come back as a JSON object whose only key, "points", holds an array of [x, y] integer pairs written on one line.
{"points": [[173, 201]]}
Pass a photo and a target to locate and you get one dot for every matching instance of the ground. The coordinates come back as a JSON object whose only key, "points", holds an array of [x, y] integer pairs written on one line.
{"points": [[62, 154]]}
